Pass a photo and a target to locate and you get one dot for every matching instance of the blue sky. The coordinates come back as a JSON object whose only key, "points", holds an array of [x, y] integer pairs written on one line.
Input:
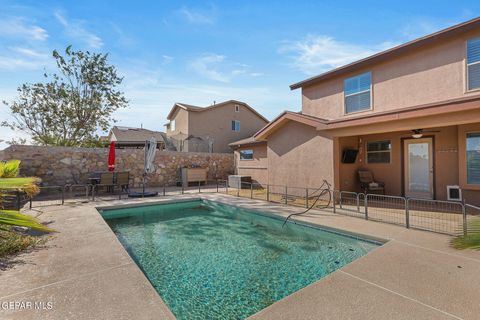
{"points": [[197, 52]]}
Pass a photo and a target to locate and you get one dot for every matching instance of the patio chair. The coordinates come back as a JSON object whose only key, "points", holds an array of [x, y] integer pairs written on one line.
{"points": [[368, 183], [106, 180], [123, 180]]}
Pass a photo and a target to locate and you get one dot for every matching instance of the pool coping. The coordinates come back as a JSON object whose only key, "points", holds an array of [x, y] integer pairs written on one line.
{"points": [[141, 300]]}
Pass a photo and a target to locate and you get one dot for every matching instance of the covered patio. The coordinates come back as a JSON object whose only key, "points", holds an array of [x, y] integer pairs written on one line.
{"points": [[417, 152]]}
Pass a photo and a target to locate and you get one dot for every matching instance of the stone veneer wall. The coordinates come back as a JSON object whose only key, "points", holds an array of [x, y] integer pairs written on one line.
{"points": [[65, 165]]}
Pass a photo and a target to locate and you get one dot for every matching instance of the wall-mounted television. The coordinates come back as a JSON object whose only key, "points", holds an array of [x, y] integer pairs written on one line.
{"points": [[349, 156]]}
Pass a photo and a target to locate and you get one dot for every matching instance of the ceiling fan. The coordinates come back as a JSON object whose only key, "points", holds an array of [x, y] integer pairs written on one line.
{"points": [[418, 133]]}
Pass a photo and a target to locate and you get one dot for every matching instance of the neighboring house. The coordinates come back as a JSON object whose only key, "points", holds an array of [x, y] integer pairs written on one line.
{"points": [[251, 159], [127, 137], [411, 113], [212, 128]]}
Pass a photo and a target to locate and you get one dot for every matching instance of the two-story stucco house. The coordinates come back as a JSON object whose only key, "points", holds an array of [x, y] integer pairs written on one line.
{"points": [[212, 128], [410, 115]]}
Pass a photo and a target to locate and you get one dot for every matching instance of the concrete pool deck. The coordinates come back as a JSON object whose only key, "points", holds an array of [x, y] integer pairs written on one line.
{"points": [[86, 274]]}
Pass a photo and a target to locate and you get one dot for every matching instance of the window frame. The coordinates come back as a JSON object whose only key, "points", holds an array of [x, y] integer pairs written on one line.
{"points": [[345, 113], [467, 65], [240, 154], [172, 125], [237, 108], [234, 125], [381, 151], [466, 158]]}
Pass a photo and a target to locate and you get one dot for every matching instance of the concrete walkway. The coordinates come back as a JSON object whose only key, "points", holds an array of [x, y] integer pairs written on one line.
{"points": [[85, 273]]}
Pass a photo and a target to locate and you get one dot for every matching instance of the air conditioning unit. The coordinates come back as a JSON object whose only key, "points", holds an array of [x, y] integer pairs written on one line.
{"points": [[454, 193]]}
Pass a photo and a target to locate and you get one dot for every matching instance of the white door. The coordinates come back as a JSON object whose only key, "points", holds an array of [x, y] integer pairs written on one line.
{"points": [[418, 161]]}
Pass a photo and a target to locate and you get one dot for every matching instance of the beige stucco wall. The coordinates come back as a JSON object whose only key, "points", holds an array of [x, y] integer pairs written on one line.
{"points": [[256, 168], [181, 123], [449, 162], [216, 123], [431, 74], [299, 157]]}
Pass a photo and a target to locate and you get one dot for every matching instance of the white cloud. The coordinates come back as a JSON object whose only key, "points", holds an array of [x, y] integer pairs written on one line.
{"points": [[319, 53], [216, 67], [18, 27], [76, 30], [197, 17], [23, 58], [207, 65]]}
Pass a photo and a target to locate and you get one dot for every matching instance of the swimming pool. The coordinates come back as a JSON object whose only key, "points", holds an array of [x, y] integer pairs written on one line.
{"points": [[210, 261]]}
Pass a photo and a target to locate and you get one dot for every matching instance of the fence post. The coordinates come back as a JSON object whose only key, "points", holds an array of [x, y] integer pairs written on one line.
{"points": [[464, 214], [93, 192], [31, 202], [164, 189], [286, 195], [63, 195], [407, 213], [226, 186], [306, 198], [217, 185], [251, 190], [366, 207], [340, 199], [268, 192], [239, 186], [358, 202], [182, 188], [199, 190], [334, 198]]}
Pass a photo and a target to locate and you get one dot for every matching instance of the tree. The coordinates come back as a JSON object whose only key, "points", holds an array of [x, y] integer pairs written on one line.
{"points": [[71, 105]]}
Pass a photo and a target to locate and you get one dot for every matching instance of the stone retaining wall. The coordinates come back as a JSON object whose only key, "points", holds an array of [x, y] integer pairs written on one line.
{"points": [[62, 165]]}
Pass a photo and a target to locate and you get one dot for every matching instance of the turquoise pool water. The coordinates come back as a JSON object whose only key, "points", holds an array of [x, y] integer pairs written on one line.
{"points": [[212, 261]]}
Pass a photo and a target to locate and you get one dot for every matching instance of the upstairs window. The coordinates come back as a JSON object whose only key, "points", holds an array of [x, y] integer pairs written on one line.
{"points": [[379, 151], [237, 108], [357, 92], [172, 125], [235, 125], [473, 158], [246, 154], [473, 64]]}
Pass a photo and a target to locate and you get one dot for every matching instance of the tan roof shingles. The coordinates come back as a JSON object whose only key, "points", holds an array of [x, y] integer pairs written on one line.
{"points": [[190, 107], [128, 134]]}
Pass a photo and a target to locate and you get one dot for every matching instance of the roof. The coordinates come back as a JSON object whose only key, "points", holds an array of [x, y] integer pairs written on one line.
{"points": [[193, 108], [247, 141], [470, 104], [395, 51], [135, 135], [285, 117]]}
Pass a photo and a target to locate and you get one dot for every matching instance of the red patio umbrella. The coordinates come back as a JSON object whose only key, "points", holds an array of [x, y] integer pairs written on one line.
{"points": [[111, 157]]}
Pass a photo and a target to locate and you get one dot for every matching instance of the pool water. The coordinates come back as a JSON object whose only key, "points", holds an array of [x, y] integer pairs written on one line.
{"points": [[213, 261]]}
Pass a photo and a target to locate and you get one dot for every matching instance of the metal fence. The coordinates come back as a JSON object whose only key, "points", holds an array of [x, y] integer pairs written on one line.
{"points": [[446, 217]]}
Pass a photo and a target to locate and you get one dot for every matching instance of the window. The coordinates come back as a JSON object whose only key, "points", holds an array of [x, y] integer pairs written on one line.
{"points": [[246, 154], [473, 64], [237, 108], [473, 158], [172, 125], [357, 93], [235, 125], [379, 151]]}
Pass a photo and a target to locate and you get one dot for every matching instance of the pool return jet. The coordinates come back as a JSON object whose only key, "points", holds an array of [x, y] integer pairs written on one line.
{"points": [[325, 189]]}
